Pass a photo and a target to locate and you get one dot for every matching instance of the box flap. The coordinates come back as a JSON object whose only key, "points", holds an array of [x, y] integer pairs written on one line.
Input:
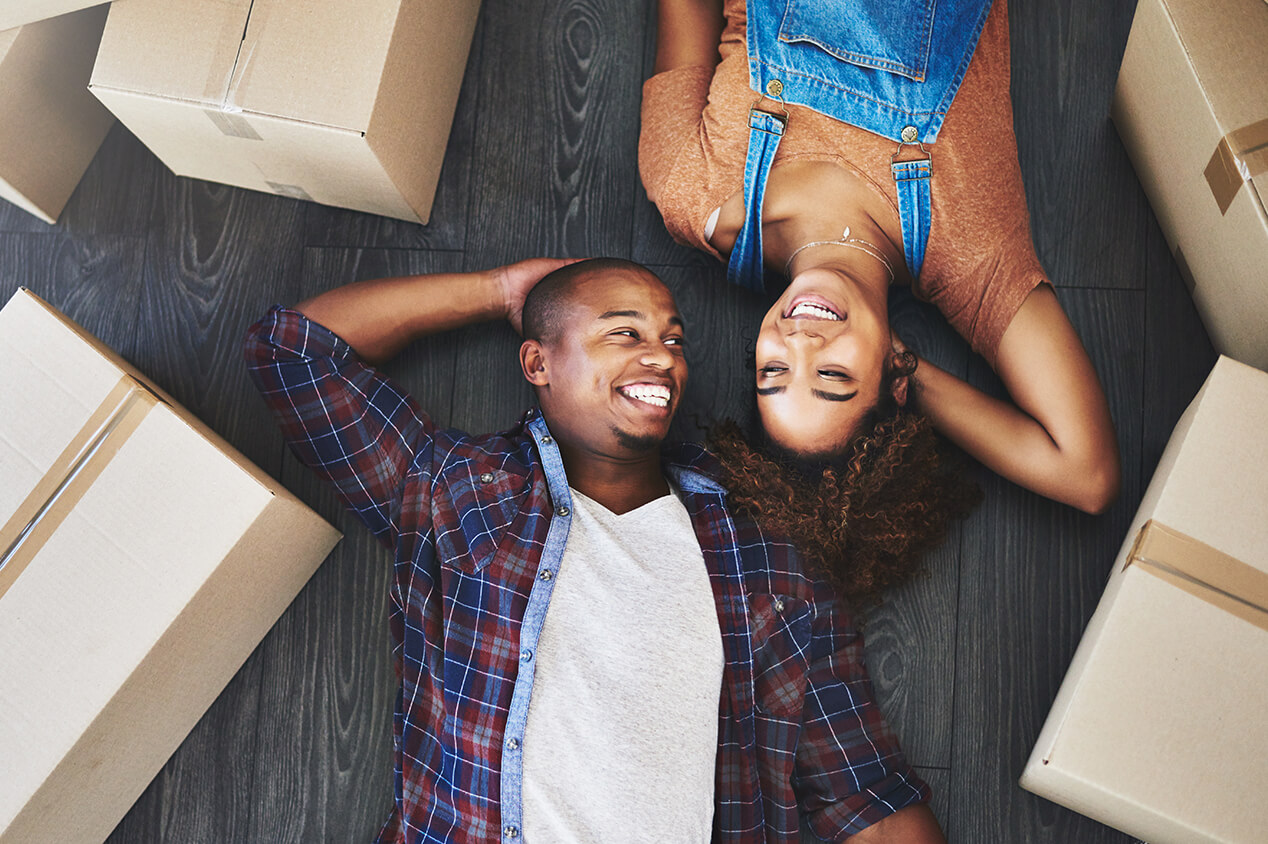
{"points": [[16, 13], [318, 61], [50, 384], [7, 37], [190, 48]]}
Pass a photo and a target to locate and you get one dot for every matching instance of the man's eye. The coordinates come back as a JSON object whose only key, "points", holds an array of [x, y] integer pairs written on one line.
{"points": [[675, 341], [626, 332]]}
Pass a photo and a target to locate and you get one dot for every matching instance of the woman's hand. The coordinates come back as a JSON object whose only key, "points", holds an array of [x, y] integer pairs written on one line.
{"points": [[513, 282]]}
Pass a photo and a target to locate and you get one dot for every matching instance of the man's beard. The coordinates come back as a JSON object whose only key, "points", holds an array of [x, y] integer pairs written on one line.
{"points": [[636, 443]]}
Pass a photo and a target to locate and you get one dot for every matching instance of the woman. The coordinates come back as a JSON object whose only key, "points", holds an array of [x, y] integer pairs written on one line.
{"points": [[880, 151]]}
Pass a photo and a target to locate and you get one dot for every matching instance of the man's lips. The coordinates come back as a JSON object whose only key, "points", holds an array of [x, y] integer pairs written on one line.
{"points": [[647, 392], [810, 306]]}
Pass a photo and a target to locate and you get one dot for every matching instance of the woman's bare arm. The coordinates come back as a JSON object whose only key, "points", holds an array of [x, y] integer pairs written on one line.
{"points": [[687, 33], [1058, 439]]}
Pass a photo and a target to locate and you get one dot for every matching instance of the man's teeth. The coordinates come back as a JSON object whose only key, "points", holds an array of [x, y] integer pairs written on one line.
{"points": [[648, 393], [812, 310]]}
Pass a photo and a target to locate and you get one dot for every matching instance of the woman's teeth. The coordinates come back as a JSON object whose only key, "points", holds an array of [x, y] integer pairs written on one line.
{"points": [[652, 394], [809, 309]]}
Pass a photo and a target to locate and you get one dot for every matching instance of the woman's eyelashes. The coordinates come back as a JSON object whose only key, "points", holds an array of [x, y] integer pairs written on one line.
{"points": [[772, 369]]}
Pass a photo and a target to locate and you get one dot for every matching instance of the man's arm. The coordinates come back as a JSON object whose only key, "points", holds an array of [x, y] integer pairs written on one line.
{"points": [[1057, 439], [853, 781], [380, 318], [343, 418]]}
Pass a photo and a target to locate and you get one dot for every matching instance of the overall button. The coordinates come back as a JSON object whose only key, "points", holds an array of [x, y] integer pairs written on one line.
{"points": [[486, 478], [547, 440], [910, 133], [563, 511], [774, 87]]}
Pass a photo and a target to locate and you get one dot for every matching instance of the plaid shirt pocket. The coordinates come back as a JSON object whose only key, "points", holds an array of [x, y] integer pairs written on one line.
{"points": [[781, 634], [475, 503]]}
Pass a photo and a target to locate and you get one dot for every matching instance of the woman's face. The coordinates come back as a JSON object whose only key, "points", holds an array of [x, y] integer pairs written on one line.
{"points": [[821, 355]]}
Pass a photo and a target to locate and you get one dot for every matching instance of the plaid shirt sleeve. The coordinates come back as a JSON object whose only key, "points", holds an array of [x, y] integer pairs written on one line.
{"points": [[850, 771], [341, 417]]}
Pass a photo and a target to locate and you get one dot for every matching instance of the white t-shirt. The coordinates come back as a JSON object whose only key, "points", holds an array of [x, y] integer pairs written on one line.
{"points": [[622, 732]]}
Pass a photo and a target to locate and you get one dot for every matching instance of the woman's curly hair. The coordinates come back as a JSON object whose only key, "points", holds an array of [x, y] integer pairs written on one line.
{"points": [[864, 518]]}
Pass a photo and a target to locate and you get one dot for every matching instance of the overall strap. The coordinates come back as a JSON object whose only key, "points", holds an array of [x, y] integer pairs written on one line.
{"points": [[914, 208], [745, 267]]}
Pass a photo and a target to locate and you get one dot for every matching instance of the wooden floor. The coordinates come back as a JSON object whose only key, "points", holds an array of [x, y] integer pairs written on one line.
{"points": [[542, 161]]}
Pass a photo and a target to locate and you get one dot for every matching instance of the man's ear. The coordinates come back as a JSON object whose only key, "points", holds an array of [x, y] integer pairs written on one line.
{"points": [[533, 363]]}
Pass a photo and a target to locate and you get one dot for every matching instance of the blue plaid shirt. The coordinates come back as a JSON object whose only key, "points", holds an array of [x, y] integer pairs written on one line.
{"points": [[478, 525]]}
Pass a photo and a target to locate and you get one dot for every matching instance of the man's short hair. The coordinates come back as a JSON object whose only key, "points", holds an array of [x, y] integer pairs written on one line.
{"points": [[547, 303]]}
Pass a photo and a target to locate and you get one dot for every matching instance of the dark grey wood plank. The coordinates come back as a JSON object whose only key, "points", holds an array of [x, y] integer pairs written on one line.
{"points": [[215, 258], [557, 130], [1032, 571], [1180, 355], [95, 281], [1086, 212], [447, 228]]}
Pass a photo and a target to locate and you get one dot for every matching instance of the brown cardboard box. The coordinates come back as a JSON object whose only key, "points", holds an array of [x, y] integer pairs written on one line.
{"points": [[343, 103], [142, 559], [15, 13], [50, 126], [1159, 728], [1192, 108]]}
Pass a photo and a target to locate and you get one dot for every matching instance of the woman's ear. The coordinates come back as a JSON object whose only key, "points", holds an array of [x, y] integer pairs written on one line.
{"points": [[533, 363], [900, 390]]}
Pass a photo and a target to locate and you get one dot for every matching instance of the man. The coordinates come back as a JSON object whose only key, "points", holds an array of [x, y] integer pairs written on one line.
{"points": [[591, 646]]}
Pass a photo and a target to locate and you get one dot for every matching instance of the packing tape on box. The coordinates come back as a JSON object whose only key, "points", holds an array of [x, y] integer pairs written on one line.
{"points": [[1239, 156], [1202, 571], [71, 475]]}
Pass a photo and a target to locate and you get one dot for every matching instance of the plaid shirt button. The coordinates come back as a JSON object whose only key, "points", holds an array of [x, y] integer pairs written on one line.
{"points": [[779, 605], [512, 744], [563, 511], [546, 575], [511, 832], [486, 478], [526, 655]]}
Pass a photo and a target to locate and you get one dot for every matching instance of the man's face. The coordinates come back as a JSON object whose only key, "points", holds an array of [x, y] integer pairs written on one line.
{"points": [[610, 382]]}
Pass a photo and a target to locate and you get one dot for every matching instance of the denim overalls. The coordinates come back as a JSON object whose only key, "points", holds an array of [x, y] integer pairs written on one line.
{"points": [[891, 67]]}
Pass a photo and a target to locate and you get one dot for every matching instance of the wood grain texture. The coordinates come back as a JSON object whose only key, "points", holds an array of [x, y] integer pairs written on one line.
{"points": [[1032, 571], [557, 130], [1180, 353], [1087, 214]]}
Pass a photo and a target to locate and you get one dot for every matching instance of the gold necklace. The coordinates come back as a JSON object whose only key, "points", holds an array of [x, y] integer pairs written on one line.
{"points": [[844, 240]]}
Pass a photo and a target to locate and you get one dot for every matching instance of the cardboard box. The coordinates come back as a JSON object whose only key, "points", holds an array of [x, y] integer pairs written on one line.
{"points": [[15, 13], [50, 126], [142, 559], [1159, 728], [343, 103], [1192, 108]]}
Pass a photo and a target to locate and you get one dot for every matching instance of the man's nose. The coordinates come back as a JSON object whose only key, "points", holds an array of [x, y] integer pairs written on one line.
{"points": [[656, 355]]}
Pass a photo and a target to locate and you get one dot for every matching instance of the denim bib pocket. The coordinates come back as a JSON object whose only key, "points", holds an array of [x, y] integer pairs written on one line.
{"points": [[889, 35]]}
